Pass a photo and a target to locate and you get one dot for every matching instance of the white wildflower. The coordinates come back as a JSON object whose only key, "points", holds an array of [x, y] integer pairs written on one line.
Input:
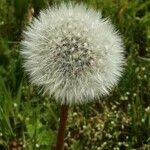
{"points": [[24, 146], [143, 68], [72, 53], [147, 109], [126, 98], [15, 104], [37, 145], [143, 120], [145, 76]]}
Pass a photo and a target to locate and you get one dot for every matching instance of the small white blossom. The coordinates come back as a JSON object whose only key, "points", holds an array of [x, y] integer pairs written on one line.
{"points": [[75, 114], [112, 122], [37, 145], [143, 120], [145, 76], [126, 98], [147, 109], [15, 105], [122, 126], [143, 68], [72, 53], [24, 146], [128, 93], [27, 119]]}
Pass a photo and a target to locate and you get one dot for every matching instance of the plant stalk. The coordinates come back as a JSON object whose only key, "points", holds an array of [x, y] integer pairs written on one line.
{"points": [[62, 125]]}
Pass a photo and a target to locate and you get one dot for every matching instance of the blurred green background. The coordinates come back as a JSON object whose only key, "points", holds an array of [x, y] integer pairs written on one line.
{"points": [[120, 122]]}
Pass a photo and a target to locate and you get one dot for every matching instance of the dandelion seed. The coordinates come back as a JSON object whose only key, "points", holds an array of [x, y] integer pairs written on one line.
{"points": [[73, 54]]}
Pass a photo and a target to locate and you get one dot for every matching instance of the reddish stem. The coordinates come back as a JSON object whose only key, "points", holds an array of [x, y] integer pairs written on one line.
{"points": [[62, 125]]}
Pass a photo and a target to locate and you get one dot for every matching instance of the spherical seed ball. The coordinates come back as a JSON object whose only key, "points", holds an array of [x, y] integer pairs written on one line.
{"points": [[72, 53]]}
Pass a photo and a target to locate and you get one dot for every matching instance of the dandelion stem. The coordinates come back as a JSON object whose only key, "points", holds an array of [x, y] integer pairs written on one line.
{"points": [[62, 125]]}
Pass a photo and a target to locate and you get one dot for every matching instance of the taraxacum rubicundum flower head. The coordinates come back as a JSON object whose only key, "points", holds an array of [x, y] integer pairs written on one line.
{"points": [[72, 53]]}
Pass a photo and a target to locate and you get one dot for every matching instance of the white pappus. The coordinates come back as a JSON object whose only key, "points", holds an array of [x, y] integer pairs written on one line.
{"points": [[72, 53]]}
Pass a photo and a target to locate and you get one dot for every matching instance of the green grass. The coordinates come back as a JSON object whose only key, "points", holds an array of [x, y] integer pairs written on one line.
{"points": [[121, 121]]}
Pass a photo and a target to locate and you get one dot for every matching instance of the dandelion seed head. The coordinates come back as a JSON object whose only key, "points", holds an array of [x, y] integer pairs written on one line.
{"points": [[72, 53]]}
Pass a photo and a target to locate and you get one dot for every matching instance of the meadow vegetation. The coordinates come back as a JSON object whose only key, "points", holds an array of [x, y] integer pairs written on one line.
{"points": [[120, 121]]}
